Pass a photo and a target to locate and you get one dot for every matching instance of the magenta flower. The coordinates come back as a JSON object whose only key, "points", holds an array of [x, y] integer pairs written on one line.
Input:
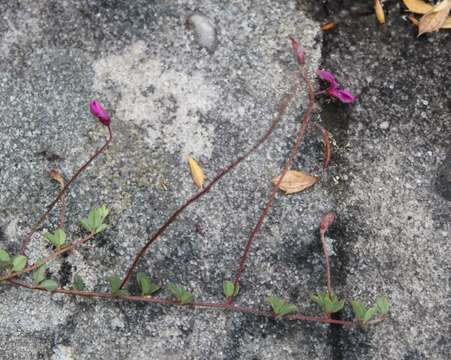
{"points": [[99, 112], [345, 96]]}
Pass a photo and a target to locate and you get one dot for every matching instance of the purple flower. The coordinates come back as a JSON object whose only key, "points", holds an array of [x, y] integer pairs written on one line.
{"points": [[345, 96], [99, 112]]}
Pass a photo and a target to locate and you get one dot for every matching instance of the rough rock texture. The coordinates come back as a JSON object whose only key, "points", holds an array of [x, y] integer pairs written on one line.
{"points": [[170, 97]]}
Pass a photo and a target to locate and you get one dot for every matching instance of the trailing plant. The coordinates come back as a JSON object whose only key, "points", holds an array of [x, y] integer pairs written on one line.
{"points": [[15, 271]]}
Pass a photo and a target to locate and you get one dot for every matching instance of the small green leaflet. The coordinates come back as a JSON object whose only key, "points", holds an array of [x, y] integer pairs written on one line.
{"points": [[4, 256], [382, 304], [38, 275], [78, 283], [57, 239], [328, 305], [280, 306], [94, 221], [146, 285], [363, 314], [229, 289], [183, 296], [115, 283], [19, 262], [49, 285]]}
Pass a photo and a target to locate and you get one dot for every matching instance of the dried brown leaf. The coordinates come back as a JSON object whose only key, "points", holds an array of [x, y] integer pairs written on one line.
{"points": [[447, 24], [328, 26], [418, 6], [56, 175], [196, 172], [379, 11], [434, 19], [295, 181]]}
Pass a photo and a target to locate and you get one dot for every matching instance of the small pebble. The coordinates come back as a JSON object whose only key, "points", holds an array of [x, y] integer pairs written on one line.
{"points": [[205, 31], [384, 125]]}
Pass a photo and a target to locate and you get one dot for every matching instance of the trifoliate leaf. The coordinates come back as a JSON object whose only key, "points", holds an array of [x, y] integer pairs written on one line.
{"points": [[359, 310], [280, 306], [146, 285], [94, 221], [295, 181], [38, 275], [115, 283], [369, 314], [183, 296], [4, 256], [382, 304], [196, 172], [57, 239], [328, 305], [229, 289], [49, 285], [78, 283], [19, 262]]}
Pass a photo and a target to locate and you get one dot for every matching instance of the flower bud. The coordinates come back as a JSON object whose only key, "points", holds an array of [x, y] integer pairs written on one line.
{"points": [[298, 51], [99, 112]]}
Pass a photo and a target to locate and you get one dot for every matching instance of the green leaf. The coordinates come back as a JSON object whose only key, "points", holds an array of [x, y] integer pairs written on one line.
{"points": [[281, 307], [57, 239], [78, 283], [19, 262], [359, 310], [229, 289], [38, 275], [49, 285], [327, 304], [94, 221], [382, 304], [183, 296], [115, 283], [4, 256], [369, 314], [146, 285]]}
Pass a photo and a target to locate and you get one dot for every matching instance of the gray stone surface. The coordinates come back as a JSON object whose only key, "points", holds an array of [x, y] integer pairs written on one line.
{"points": [[169, 97]]}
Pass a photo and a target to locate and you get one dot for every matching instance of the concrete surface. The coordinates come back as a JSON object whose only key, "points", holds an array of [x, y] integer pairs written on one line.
{"points": [[170, 98]]}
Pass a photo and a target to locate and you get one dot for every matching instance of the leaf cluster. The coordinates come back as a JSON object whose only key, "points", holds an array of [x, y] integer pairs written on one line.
{"points": [[57, 239], [95, 221], [12, 263], [39, 277], [364, 315], [329, 305], [280, 306]]}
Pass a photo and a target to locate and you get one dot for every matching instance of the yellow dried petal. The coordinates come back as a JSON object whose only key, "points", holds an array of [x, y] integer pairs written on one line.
{"points": [[196, 172], [379, 11], [418, 6], [295, 181]]}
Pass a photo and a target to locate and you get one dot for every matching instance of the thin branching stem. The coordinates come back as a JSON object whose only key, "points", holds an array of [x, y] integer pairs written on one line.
{"points": [[27, 238], [293, 152], [327, 262], [281, 110]]}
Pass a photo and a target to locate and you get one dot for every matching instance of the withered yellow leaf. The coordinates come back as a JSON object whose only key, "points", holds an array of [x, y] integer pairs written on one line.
{"points": [[295, 181], [196, 172], [379, 11], [418, 6], [447, 24], [435, 18]]}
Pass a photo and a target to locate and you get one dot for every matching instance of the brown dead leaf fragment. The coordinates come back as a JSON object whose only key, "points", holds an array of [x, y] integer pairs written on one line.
{"points": [[435, 18], [295, 181], [379, 11], [196, 172], [328, 26], [56, 175]]}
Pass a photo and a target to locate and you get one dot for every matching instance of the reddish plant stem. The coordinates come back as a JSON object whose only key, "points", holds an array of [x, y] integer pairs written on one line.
{"points": [[74, 244], [282, 108], [327, 261], [50, 207], [293, 152], [62, 209], [327, 147], [197, 304]]}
